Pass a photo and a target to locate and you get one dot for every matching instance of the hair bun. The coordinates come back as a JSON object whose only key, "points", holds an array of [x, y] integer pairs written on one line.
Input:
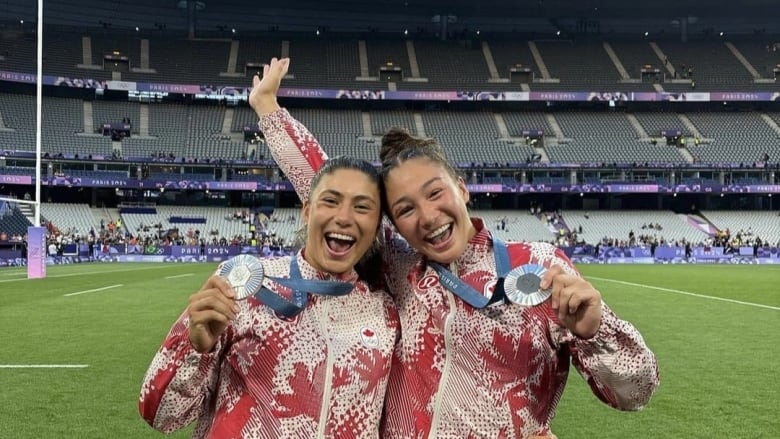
{"points": [[397, 139]]}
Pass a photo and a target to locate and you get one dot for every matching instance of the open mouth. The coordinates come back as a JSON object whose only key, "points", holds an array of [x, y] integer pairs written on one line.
{"points": [[338, 243], [440, 235]]}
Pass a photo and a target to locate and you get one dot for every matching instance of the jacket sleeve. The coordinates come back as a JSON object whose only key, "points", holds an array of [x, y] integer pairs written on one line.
{"points": [[295, 149], [616, 363], [180, 382]]}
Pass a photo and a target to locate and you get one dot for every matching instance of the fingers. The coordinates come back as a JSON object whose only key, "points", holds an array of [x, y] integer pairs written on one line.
{"points": [[569, 301], [263, 95], [210, 316], [215, 295], [220, 284], [207, 301], [576, 302], [551, 273], [277, 67], [285, 65], [568, 291]]}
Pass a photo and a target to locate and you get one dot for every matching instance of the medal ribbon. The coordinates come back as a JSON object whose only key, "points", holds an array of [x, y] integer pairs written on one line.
{"points": [[301, 288], [466, 292]]}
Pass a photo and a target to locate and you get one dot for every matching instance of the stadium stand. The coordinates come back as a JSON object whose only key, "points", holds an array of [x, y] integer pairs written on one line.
{"points": [[332, 63], [382, 51], [708, 62], [70, 217], [459, 132], [64, 52], [115, 112], [381, 121], [516, 225], [220, 222], [180, 61], [491, 138], [746, 144], [13, 221], [764, 225], [760, 55], [18, 113], [516, 122], [618, 224], [654, 123], [634, 56], [605, 137], [508, 54], [256, 51], [439, 61], [591, 68]]}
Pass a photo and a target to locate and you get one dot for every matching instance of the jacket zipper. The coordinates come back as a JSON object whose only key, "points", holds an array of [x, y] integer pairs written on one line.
{"points": [[328, 371], [445, 374]]}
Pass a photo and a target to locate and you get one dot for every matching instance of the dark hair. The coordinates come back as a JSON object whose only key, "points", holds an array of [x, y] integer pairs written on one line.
{"points": [[334, 164], [369, 267], [398, 146]]}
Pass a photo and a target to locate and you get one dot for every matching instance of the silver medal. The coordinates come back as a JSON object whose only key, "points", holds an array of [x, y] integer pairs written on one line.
{"points": [[244, 273], [522, 285]]}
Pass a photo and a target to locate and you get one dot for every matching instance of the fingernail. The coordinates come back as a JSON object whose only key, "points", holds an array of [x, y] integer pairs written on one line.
{"points": [[236, 309]]}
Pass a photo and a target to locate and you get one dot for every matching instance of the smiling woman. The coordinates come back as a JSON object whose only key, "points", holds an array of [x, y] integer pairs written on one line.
{"points": [[426, 203], [471, 361], [342, 215], [245, 368]]}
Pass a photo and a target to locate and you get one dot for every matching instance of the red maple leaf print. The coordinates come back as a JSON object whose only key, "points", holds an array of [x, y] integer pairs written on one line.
{"points": [[306, 396], [505, 362], [368, 369]]}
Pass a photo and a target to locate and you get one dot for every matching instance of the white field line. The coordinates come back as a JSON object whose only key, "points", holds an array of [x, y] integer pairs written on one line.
{"points": [[178, 276], [93, 290], [82, 273], [685, 293], [43, 366]]}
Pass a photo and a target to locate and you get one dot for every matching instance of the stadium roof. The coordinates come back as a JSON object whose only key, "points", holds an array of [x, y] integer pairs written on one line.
{"points": [[537, 8], [747, 14]]}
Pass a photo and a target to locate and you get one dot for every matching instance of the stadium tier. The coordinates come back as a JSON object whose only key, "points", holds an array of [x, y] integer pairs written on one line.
{"points": [[423, 63], [202, 143], [72, 126]]}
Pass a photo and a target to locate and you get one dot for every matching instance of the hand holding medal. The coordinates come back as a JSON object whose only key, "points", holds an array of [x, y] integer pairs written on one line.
{"points": [[245, 274], [576, 301], [210, 311]]}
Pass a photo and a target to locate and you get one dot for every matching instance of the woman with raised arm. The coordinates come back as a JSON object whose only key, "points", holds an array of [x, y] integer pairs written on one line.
{"points": [[285, 362], [488, 329]]}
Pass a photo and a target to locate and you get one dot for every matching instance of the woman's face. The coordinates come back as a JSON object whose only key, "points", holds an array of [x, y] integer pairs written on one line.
{"points": [[342, 217], [428, 207]]}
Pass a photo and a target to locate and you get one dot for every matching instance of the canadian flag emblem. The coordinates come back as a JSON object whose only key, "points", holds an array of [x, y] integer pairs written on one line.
{"points": [[369, 337]]}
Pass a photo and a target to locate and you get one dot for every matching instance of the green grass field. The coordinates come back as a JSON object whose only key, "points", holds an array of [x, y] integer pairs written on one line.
{"points": [[717, 357]]}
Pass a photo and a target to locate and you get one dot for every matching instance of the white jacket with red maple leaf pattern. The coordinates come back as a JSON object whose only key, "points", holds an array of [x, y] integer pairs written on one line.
{"points": [[322, 373], [461, 372]]}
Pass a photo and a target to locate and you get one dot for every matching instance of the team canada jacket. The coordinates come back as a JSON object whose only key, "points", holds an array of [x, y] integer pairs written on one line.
{"points": [[497, 372], [322, 373]]}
